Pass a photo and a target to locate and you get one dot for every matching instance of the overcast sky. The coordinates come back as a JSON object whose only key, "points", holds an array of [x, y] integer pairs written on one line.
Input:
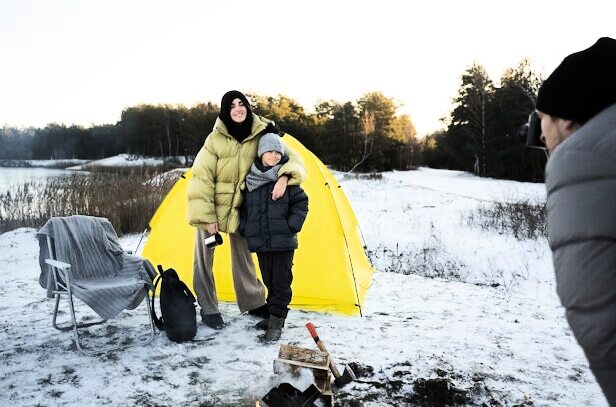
{"points": [[82, 62]]}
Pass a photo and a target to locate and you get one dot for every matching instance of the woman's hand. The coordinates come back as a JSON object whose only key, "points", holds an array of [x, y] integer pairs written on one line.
{"points": [[280, 187], [211, 228]]}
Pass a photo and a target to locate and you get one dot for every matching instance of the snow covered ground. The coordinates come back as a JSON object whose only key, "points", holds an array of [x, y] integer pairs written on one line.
{"points": [[455, 315]]}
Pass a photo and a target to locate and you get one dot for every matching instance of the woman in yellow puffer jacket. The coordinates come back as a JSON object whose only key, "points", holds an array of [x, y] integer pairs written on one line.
{"points": [[215, 196]]}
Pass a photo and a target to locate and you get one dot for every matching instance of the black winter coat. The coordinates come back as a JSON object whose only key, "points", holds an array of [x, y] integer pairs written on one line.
{"points": [[271, 226]]}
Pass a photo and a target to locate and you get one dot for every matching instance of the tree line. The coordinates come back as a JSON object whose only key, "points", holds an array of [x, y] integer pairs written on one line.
{"points": [[479, 135]]}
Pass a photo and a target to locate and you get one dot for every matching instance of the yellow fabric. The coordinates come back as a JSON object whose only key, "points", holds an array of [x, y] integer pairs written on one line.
{"points": [[330, 272], [214, 192]]}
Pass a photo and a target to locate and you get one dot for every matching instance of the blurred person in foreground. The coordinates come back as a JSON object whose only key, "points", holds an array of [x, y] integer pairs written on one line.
{"points": [[577, 108]]}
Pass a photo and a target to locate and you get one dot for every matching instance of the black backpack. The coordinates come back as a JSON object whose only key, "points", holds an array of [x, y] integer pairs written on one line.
{"points": [[177, 306]]}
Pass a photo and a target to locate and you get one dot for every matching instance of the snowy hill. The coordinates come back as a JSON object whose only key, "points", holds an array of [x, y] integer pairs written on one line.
{"points": [[456, 315], [123, 161]]}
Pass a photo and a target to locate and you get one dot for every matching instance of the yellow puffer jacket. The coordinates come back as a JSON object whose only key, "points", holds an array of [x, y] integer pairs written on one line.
{"points": [[220, 168]]}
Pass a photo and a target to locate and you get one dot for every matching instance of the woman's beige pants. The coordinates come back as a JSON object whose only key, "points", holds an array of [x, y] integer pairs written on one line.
{"points": [[249, 291]]}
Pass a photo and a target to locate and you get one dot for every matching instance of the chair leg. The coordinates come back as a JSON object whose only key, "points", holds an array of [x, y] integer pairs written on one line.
{"points": [[75, 327], [69, 325]]}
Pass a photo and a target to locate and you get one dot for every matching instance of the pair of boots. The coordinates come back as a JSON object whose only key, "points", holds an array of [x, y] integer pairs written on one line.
{"points": [[272, 327]]}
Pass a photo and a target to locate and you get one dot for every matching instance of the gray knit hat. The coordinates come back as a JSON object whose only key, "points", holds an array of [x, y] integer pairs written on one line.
{"points": [[270, 142]]}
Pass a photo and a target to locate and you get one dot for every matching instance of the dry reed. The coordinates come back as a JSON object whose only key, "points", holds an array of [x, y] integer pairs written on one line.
{"points": [[128, 200]]}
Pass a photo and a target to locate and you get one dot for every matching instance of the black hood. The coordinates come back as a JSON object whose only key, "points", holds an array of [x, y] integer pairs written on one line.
{"points": [[239, 131]]}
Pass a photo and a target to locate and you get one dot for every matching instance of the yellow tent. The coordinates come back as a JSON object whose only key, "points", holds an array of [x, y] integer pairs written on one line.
{"points": [[330, 271]]}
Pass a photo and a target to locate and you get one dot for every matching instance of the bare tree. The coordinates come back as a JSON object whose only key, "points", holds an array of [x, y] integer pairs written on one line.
{"points": [[367, 132]]}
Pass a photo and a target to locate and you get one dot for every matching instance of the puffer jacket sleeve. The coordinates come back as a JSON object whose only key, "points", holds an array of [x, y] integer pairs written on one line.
{"points": [[294, 168], [298, 208], [201, 189]]}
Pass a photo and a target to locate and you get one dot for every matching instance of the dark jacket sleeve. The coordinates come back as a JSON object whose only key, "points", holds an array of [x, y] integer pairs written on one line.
{"points": [[298, 208]]}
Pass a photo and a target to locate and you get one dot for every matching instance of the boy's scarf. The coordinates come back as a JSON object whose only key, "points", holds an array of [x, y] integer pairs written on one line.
{"points": [[260, 175]]}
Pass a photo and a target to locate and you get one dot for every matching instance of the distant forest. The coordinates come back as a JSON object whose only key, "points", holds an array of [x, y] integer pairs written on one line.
{"points": [[479, 136]]}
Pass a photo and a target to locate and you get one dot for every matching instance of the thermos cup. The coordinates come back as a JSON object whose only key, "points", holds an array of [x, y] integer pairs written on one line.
{"points": [[213, 240]]}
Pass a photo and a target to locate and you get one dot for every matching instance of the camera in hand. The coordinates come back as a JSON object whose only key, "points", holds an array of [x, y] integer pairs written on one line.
{"points": [[530, 132]]}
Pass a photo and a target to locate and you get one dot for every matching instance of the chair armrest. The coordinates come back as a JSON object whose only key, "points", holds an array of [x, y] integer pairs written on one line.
{"points": [[61, 274], [58, 264]]}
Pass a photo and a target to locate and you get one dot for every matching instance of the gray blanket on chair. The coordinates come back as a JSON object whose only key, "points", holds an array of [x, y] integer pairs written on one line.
{"points": [[103, 275]]}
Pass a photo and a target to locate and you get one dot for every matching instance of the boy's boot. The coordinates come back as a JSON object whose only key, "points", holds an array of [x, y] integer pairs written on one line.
{"points": [[274, 329], [262, 325]]}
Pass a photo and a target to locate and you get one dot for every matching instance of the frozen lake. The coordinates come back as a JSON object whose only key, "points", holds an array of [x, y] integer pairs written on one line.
{"points": [[12, 177]]}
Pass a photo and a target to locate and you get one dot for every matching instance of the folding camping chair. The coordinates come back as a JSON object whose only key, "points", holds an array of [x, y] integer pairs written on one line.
{"points": [[81, 257]]}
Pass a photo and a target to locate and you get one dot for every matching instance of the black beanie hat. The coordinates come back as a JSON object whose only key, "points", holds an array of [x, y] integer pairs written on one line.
{"points": [[582, 85], [239, 131]]}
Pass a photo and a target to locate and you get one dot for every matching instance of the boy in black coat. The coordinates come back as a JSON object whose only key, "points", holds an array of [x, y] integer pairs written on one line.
{"points": [[270, 228]]}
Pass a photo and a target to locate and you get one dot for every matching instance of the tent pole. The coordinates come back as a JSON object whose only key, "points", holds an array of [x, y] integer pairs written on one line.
{"points": [[146, 230]]}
